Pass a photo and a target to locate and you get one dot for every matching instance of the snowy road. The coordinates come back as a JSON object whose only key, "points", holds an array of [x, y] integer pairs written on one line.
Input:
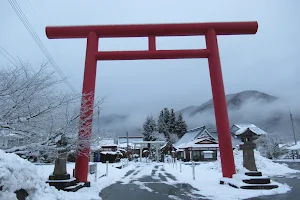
{"points": [[148, 182]]}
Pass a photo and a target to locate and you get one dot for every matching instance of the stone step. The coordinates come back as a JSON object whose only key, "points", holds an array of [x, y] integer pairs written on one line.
{"points": [[61, 184], [76, 187], [60, 177], [258, 181], [259, 187], [253, 173]]}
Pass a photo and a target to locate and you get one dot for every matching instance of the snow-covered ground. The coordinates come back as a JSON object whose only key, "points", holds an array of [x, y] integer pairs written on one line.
{"points": [[207, 176], [16, 173]]}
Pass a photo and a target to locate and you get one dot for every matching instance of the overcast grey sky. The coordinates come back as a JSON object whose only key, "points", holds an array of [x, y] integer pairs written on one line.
{"points": [[267, 61]]}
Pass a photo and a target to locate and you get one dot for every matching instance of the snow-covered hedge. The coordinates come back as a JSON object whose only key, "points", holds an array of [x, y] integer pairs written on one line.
{"points": [[17, 173]]}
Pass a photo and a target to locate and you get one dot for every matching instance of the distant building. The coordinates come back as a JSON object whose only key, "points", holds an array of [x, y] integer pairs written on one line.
{"points": [[167, 149], [105, 150], [198, 145], [132, 149], [122, 141]]}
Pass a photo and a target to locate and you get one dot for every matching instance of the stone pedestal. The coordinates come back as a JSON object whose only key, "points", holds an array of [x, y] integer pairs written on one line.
{"points": [[248, 156], [61, 180]]}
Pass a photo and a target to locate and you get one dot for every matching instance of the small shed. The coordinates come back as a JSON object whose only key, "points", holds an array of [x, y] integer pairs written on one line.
{"points": [[167, 149], [103, 150]]}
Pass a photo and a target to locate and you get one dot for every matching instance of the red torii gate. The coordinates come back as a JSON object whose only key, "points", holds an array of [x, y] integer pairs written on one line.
{"points": [[210, 30]]}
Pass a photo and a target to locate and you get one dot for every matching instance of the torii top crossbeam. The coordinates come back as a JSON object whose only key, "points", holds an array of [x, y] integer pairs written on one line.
{"points": [[144, 30], [151, 31]]}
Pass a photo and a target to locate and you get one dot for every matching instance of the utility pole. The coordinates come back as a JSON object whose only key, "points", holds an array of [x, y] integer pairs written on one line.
{"points": [[295, 140], [291, 116], [98, 128], [127, 140]]}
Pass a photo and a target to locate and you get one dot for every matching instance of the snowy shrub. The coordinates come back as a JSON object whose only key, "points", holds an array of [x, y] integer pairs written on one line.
{"points": [[17, 173]]}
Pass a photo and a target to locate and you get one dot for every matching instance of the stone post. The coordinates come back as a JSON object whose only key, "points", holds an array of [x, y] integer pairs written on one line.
{"points": [[248, 156]]}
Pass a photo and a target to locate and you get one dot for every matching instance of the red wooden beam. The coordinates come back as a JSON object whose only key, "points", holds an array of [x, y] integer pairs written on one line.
{"points": [[151, 43], [145, 30], [145, 55]]}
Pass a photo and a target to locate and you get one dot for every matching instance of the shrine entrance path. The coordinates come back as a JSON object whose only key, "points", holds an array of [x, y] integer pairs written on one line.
{"points": [[149, 181]]}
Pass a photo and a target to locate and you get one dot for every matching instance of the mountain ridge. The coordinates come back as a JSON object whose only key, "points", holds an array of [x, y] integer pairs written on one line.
{"points": [[249, 106]]}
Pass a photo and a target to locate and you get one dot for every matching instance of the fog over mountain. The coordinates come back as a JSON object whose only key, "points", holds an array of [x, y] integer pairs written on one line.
{"points": [[266, 111]]}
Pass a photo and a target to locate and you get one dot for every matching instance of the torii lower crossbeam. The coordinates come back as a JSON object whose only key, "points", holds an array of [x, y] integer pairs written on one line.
{"points": [[151, 31]]}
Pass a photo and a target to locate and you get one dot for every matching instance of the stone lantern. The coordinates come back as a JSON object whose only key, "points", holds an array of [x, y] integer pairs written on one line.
{"points": [[248, 136], [251, 179]]}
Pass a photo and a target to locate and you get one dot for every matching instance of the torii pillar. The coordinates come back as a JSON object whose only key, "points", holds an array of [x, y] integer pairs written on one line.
{"points": [[209, 30]]}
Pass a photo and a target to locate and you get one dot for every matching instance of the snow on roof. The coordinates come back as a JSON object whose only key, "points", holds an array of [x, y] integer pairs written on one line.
{"points": [[206, 134], [208, 152], [190, 135], [105, 142], [131, 139], [252, 127], [295, 147], [124, 145], [164, 145], [193, 144], [149, 142]]}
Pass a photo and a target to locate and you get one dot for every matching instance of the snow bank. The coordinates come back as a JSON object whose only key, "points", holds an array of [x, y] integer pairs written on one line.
{"points": [[208, 175], [17, 173], [264, 165]]}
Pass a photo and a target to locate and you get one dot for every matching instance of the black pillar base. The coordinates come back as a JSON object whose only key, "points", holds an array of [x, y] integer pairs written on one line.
{"points": [[66, 183]]}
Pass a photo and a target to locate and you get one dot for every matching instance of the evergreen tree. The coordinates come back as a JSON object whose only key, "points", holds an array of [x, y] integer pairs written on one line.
{"points": [[161, 122], [149, 128], [172, 122], [180, 127], [166, 115], [166, 123]]}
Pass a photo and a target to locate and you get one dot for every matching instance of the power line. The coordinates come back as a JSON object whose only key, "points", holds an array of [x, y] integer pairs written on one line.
{"points": [[7, 58], [42, 25], [9, 54], [38, 41]]}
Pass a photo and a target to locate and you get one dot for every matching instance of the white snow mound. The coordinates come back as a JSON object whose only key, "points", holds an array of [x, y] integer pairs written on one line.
{"points": [[17, 173], [264, 165]]}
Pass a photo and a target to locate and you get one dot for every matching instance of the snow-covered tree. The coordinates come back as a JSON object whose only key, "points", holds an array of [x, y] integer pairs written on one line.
{"points": [[172, 122], [32, 106], [269, 145], [180, 127], [161, 123], [158, 136], [149, 127], [173, 138], [166, 115]]}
